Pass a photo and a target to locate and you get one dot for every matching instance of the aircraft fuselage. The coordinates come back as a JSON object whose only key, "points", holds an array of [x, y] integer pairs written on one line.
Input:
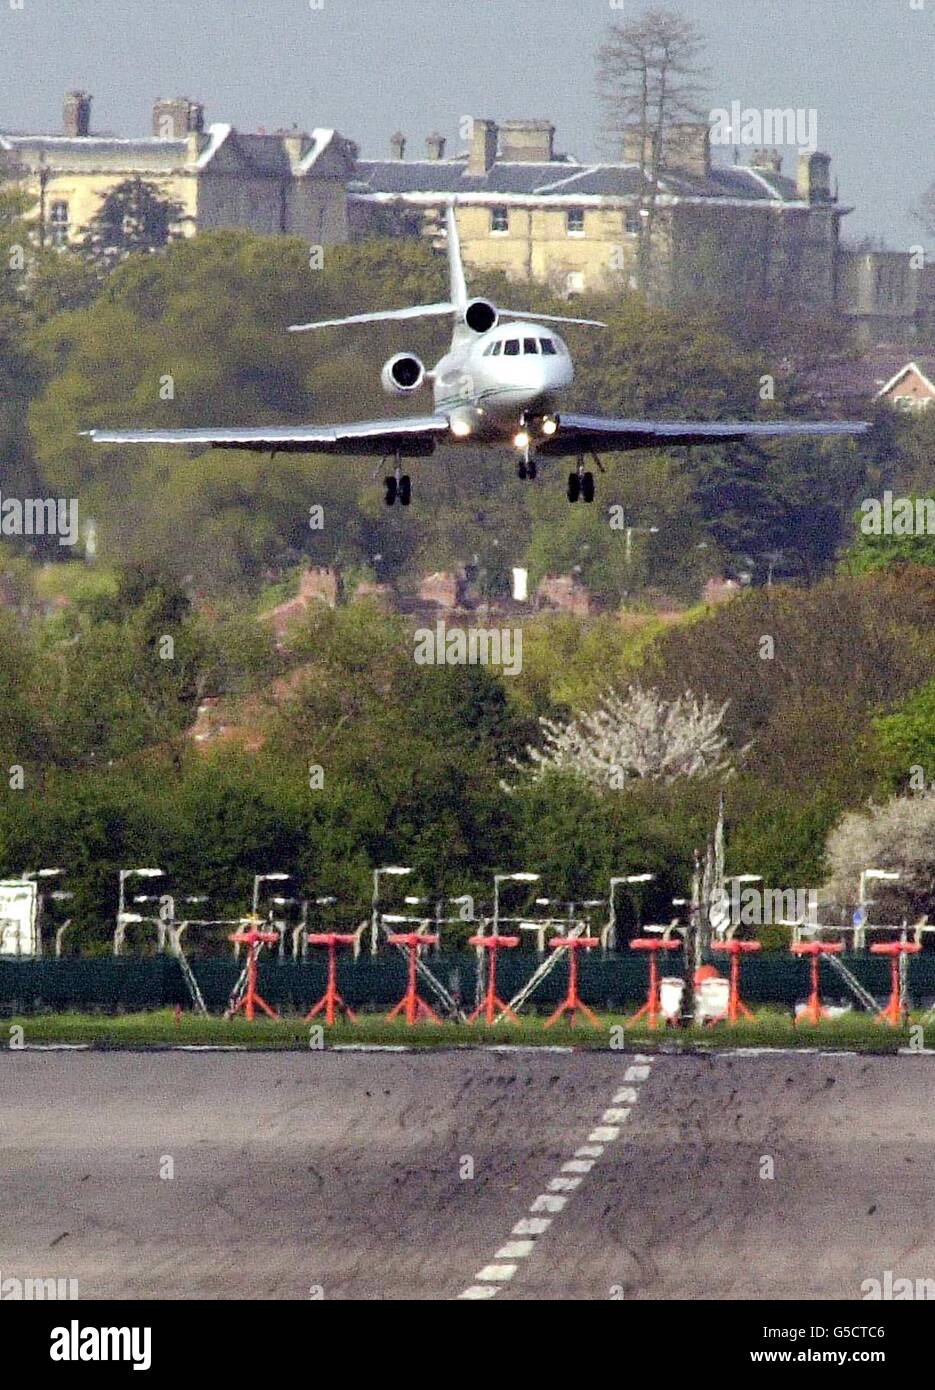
{"points": [[493, 385]]}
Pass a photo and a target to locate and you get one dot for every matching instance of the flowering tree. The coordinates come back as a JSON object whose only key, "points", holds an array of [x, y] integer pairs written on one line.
{"points": [[900, 836], [636, 734]]}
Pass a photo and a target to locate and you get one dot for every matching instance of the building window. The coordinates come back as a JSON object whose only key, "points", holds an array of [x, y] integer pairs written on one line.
{"points": [[574, 221], [499, 219], [59, 225], [632, 222]]}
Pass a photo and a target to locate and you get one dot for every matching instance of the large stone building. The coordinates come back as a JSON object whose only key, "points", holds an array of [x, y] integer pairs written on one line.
{"points": [[286, 182], [534, 214], [720, 230]]}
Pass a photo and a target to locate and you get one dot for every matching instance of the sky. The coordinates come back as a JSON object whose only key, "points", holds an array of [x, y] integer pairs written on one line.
{"points": [[370, 67]]}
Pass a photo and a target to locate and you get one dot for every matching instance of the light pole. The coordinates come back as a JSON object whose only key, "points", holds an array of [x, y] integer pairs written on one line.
{"points": [[610, 933], [32, 876], [394, 871], [521, 877], [276, 877], [863, 902], [631, 531], [122, 916]]}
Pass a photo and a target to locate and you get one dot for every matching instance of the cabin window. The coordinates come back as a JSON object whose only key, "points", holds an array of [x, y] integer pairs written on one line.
{"points": [[530, 345], [499, 219], [547, 347], [511, 347], [574, 221]]}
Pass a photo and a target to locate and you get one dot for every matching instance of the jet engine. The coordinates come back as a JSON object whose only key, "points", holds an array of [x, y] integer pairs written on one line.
{"points": [[480, 315], [402, 374]]}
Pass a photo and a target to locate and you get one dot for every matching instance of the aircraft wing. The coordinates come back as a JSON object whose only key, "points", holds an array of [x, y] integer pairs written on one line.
{"points": [[410, 435], [580, 433]]}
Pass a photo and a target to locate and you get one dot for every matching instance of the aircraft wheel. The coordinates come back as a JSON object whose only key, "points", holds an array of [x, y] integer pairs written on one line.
{"points": [[389, 491], [587, 487], [522, 470], [531, 469], [405, 490], [574, 487]]}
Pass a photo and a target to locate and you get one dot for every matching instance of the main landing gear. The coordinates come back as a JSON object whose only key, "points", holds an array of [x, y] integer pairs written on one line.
{"points": [[580, 484], [397, 487]]}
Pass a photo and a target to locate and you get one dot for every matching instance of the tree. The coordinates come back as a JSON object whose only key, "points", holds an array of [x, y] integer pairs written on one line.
{"points": [[649, 80], [133, 217], [636, 735], [898, 836]]}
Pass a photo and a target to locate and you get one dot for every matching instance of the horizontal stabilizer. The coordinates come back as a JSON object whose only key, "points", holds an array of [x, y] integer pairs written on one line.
{"points": [[418, 311], [548, 318]]}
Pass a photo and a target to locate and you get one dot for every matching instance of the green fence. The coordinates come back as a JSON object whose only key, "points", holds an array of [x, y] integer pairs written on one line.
{"points": [[613, 982]]}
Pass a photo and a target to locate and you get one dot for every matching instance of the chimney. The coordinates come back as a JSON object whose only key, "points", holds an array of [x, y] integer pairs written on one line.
{"points": [[77, 114], [770, 161], [687, 146], [814, 180], [297, 144], [435, 145], [527, 141], [176, 117], [483, 147], [398, 145]]}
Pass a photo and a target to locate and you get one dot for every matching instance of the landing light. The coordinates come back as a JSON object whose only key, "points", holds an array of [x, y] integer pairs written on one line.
{"points": [[521, 440], [549, 426], [460, 428]]}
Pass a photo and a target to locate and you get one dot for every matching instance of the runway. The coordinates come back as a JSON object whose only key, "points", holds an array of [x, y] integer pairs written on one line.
{"points": [[479, 1175]]}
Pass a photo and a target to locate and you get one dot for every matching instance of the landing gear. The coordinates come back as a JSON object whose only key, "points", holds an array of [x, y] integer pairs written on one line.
{"points": [[526, 468], [580, 484], [397, 488]]}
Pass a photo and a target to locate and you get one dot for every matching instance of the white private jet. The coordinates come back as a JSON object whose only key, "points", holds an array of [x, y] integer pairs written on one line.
{"points": [[498, 384]]}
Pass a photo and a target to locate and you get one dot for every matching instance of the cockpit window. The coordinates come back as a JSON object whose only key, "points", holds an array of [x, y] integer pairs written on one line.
{"points": [[547, 347], [530, 345], [498, 347], [511, 347]]}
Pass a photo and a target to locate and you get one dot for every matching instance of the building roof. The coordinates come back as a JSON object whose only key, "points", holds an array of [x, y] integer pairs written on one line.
{"points": [[265, 154], [564, 179], [871, 375]]}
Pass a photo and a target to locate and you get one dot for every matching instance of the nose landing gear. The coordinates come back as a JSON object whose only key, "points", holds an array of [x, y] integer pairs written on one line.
{"points": [[526, 468]]}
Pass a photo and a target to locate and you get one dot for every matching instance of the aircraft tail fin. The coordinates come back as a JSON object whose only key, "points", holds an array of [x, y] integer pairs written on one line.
{"points": [[457, 285]]}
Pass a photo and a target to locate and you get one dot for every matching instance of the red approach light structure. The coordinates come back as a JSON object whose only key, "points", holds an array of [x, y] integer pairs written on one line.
{"points": [[252, 999], [411, 1003], [735, 1005], [331, 1001], [572, 1004], [813, 1011], [491, 1007], [653, 944], [896, 1007]]}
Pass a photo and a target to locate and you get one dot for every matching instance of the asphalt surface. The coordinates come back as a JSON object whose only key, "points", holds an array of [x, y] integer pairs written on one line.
{"points": [[349, 1175]]}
